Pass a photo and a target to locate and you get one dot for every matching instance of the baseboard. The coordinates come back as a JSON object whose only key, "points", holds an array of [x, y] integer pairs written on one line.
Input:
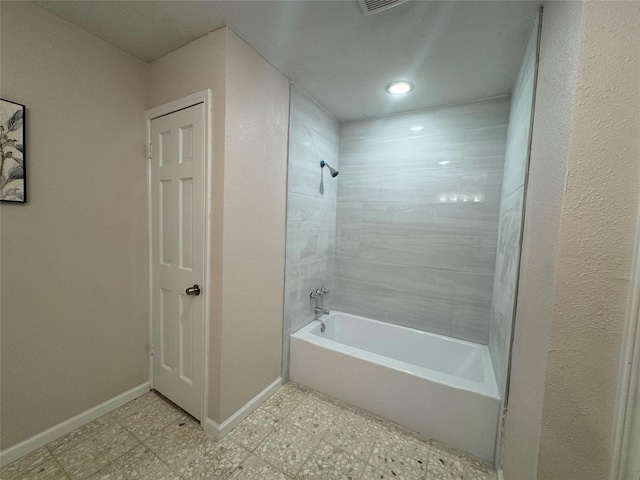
{"points": [[219, 430], [40, 440]]}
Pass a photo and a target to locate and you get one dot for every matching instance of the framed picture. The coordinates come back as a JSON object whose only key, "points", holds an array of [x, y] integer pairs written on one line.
{"points": [[12, 152]]}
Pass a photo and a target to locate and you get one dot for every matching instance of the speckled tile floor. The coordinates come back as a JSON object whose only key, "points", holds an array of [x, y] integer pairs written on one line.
{"points": [[297, 434]]}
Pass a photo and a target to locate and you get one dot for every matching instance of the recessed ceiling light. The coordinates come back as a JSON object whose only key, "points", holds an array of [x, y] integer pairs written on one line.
{"points": [[398, 88], [444, 162], [416, 128]]}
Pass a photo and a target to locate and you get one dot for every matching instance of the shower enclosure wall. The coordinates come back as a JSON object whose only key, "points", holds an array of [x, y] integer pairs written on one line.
{"points": [[311, 212], [407, 233], [421, 229], [417, 217]]}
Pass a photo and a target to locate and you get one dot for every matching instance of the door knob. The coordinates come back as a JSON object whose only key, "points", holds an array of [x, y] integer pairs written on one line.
{"points": [[195, 290]]}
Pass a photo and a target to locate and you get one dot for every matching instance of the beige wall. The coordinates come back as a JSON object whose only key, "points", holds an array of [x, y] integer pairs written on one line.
{"points": [[595, 248], [559, 50], [255, 178], [74, 258], [580, 226], [198, 66], [250, 128]]}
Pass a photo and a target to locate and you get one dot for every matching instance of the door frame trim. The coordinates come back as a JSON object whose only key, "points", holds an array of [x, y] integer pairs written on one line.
{"points": [[205, 97]]}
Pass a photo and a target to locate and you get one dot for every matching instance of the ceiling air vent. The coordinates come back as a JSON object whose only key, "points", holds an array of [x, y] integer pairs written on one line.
{"points": [[369, 7]]}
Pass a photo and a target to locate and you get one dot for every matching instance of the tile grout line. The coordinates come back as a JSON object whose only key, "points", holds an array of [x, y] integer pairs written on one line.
{"points": [[172, 470], [75, 477], [64, 471], [426, 466], [280, 421], [348, 408], [313, 395], [115, 419], [375, 442], [344, 408], [118, 422]]}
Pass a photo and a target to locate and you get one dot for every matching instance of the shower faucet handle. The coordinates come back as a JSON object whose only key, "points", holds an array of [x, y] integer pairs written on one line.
{"points": [[319, 293]]}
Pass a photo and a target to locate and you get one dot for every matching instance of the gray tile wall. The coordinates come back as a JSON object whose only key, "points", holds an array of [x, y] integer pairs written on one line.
{"points": [[417, 217], [511, 205], [311, 212]]}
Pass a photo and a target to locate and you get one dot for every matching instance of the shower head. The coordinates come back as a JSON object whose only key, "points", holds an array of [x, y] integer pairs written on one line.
{"points": [[334, 172]]}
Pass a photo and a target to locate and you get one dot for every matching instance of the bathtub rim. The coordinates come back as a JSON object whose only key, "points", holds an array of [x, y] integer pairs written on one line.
{"points": [[488, 388]]}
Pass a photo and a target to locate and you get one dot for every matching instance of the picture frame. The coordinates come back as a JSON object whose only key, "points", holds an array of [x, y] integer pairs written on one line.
{"points": [[13, 186]]}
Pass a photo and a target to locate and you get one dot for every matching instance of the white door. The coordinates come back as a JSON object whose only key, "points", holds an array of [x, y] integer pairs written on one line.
{"points": [[177, 229]]}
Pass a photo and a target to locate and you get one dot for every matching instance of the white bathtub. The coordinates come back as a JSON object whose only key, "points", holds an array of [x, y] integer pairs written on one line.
{"points": [[438, 386]]}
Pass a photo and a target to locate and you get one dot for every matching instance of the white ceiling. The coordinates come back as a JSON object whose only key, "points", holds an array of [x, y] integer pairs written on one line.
{"points": [[454, 52]]}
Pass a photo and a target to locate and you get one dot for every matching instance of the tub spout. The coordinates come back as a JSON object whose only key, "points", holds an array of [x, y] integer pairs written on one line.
{"points": [[321, 311]]}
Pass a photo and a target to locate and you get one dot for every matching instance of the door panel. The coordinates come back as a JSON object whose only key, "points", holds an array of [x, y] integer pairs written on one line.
{"points": [[177, 229]]}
